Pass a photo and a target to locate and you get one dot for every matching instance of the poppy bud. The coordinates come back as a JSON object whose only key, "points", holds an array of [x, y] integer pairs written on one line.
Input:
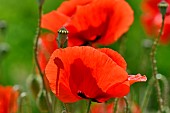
{"points": [[40, 2], [147, 43], [62, 37], [3, 26], [41, 101], [4, 49], [34, 83], [162, 7], [17, 88], [24, 103]]}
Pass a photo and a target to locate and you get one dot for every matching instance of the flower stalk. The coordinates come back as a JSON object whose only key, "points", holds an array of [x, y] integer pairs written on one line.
{"points": [[115, 104], [147, 94], [88, 107], [127, 105], [163, 6], [40, 6]]}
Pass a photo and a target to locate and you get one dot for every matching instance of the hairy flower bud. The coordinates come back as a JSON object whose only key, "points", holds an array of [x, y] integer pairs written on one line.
{"points": [[41, 101], [34, 84]]}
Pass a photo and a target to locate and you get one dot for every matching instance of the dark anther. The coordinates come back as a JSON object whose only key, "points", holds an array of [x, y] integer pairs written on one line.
{"points": [[89, 43], [97, 38], [94, 100], [81, 94], [86, 43]]}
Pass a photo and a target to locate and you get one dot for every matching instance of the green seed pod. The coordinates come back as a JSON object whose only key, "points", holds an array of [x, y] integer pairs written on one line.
{"points": [[24, 103], [62, 37], [163, 5], [3, 26], [40, 2], [4, 49], [41, 101], [34, 84]]}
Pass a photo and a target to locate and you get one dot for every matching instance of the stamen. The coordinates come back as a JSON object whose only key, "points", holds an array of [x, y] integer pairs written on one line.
{"points": [[82, 95]]}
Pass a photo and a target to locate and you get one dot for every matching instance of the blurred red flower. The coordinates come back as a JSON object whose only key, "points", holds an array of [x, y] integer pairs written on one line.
{"points": [[108, 108], [8, 100], [152, 19], [102, 108], [46, 45], [91, 21], [76, 73]]}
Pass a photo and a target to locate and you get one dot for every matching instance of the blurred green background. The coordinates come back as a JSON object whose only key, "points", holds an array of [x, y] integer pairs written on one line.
{"points": [[21, 22]]}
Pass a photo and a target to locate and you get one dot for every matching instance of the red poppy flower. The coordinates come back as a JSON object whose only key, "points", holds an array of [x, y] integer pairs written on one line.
{"points": [[76, 73], [102, 108], [108, 108], [152, 19], [91, 21], [8, 100], [46, 45]]}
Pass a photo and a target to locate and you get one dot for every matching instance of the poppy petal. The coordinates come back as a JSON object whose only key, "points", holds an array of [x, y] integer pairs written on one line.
{"points": [[102, 108], [53, 21], [152, 20], [8, 99], [78, 84], [105, 20], [46, 45], [119, 90], [115, 56], [69, 7], [150, 6], [83, 74], [48, 42], [166, 34], [120, 22], [136, 78], [65, 94]]}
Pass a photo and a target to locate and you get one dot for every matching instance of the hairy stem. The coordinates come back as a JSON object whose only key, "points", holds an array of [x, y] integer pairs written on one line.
{"points": [[147, 94], [127, 105], [36, 54], [154, 66], [166, 90], [115, 105], [66, 108]]}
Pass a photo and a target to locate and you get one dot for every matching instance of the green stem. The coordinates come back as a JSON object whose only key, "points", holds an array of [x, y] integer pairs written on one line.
{"points": [[66, 108], [154, 66], [127, 105], [147, 94], [24, 104], [166, 90], [122, 47], [88, 107], [115, 105], [54, 102], [36, 54]]}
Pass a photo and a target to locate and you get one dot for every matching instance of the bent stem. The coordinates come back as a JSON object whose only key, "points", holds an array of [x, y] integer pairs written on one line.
{"points": [[66, 108], [127, 105], [166, 90], [154, 66], [88, 107], [36, 54], [147, 94], [115, 104], [122, 47]]}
